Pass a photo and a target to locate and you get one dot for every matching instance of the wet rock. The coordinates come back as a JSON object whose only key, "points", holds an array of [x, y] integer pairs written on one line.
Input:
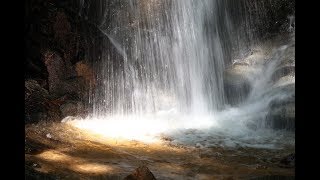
{"points": [[166, 138], [56, 39], [73, 87], [288, 161], [49, 136], [236, 87], [240, 63], [273, 177], [141, 173], [259, 166], [62, 79], [36, 117], [35, 101], [69, 118], [199, 145], [287, 58], [71, 108], [283, 71], [32, 88], [281, 114], [34, 147], [39, 104], [58, 71], [85, 71], [282, 118], [31, 173], [210, 154], [33, 164]]}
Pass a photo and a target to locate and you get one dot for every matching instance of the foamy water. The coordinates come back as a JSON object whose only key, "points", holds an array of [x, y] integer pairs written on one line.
{"points": [[228, 128]]}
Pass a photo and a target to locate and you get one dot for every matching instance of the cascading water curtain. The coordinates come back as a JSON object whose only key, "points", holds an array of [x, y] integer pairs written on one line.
{"points": [[167, 61], [169, 57]]}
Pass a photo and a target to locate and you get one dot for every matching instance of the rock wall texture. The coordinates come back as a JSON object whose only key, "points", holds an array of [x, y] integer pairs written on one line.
{"points": [[58, 73]]}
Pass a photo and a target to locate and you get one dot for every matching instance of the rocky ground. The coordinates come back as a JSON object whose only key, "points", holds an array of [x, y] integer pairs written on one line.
{"points": [[59, 151]]}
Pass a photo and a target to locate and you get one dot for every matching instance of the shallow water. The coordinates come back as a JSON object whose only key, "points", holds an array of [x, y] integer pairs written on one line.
{"points": [[70, 153]]}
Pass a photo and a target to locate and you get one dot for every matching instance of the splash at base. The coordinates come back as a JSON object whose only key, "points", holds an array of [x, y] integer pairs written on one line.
{"points": [[148, 128], [226, 130]]}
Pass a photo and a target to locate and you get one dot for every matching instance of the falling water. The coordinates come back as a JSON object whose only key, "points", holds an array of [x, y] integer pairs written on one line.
{"points": [[167, 71], [172, 58]]}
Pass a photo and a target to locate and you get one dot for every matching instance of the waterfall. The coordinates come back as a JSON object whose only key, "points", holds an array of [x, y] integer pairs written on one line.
{"points": [[171, 58], [162, 68]]}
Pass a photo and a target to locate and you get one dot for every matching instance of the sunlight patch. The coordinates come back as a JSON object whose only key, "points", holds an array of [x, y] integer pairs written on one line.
{"points": [[92, 168], [147, 129]]}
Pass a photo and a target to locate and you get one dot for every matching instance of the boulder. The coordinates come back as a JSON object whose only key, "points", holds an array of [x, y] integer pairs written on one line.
{"points": [[73, 87], [288, 161], [282, 72], [35, 101], [141, 173], [71, 108], [281, 113], [287, 58], [39, 104], [62, 78], [236, 87]]}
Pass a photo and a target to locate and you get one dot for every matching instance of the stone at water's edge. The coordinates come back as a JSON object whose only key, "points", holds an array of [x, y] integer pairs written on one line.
{"points": [[274, 177], [71, 108], [288, 161], [275, 60], [38, 104], [236, 87], [283, 71], [141, 173], [281, 113]]}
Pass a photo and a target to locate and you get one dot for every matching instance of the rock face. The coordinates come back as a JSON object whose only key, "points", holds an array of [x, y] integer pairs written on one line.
{"points": [[62, 78], [85, 71], [39, 104], [57, 70], [141, 173], [35, 99], [57, 76]]}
